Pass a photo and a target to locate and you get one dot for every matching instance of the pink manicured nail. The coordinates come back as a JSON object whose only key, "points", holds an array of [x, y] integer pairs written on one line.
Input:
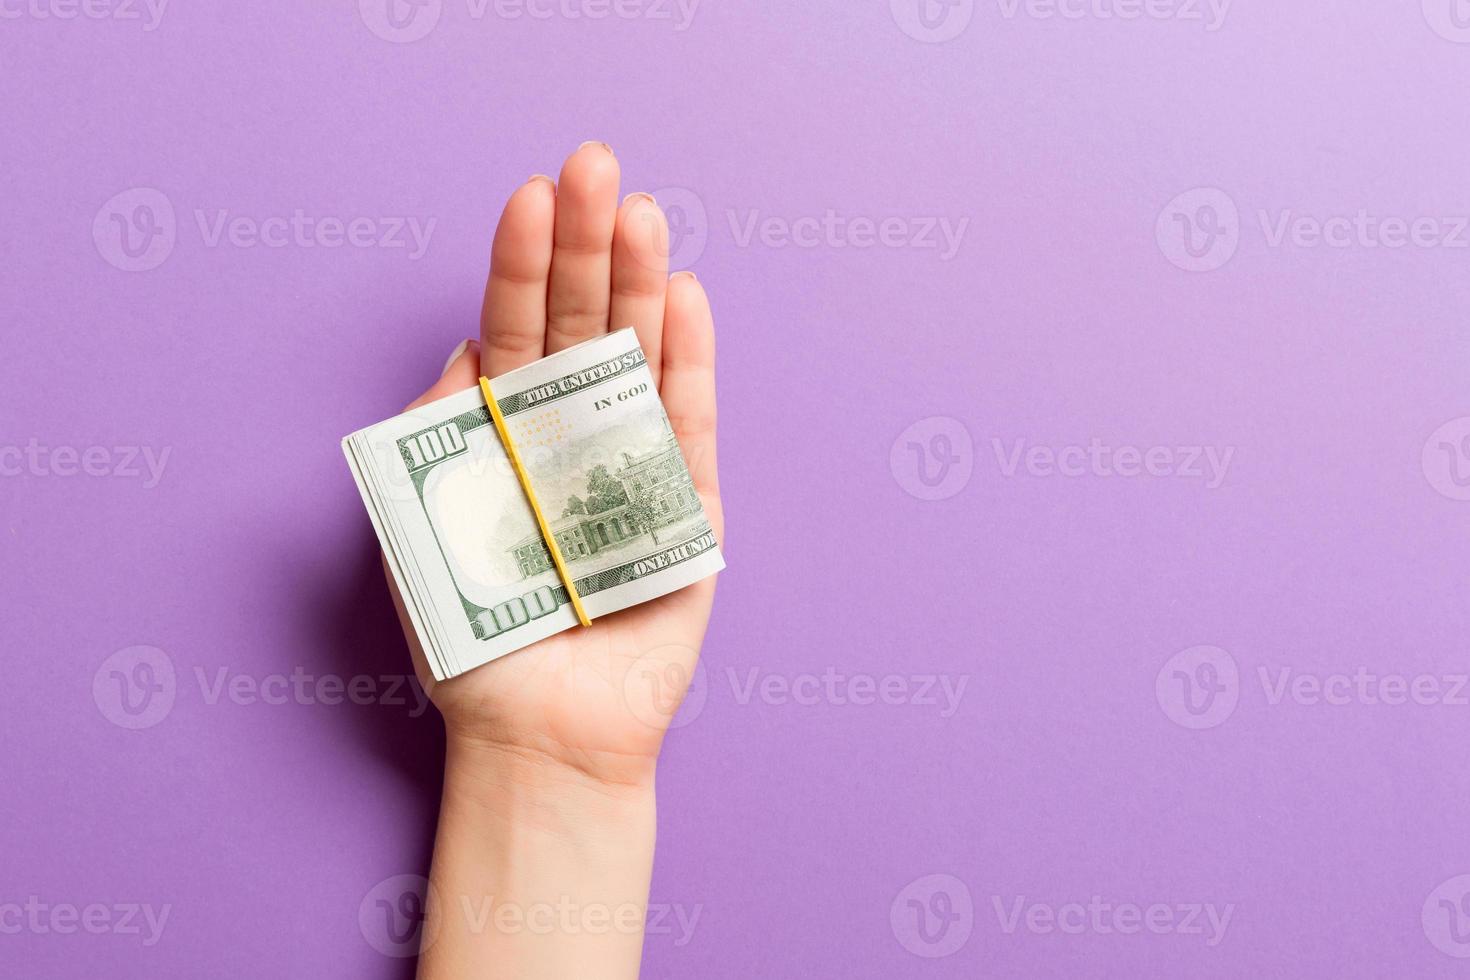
{"points": [[458, 352]]}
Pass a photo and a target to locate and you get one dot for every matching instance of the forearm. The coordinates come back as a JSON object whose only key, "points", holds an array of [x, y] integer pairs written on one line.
{"points": [[539, 871]]}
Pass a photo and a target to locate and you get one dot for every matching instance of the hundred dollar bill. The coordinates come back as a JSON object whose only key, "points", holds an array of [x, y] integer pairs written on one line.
{"points": [[461, 540]]}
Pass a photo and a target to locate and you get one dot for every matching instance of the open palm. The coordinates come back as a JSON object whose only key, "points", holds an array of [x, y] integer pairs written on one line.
{"points": [[569, 263]]}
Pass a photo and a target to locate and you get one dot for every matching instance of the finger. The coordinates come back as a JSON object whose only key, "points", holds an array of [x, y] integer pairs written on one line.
{"points": [[689, 384], [513, 317], [640, 275], [461, 371], [577, 298]]}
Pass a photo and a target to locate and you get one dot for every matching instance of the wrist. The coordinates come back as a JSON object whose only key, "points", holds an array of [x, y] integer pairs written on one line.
{"points": [[539, 792], [539, 867]]}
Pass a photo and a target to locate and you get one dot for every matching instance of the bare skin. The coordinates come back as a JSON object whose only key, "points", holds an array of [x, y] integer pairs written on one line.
{"points": [[545, 841]]}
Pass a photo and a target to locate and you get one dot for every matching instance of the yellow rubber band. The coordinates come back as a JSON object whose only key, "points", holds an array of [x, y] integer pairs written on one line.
{"points": [[525, 478]]}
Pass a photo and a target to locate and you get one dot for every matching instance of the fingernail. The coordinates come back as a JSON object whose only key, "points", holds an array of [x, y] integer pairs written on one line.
{"points": [[463, 346], [643, 195], [597, 143], [535, 177], [685, 272]]}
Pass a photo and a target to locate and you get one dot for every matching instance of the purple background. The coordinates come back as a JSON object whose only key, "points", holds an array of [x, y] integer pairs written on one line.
{"points": [[796, 828]]}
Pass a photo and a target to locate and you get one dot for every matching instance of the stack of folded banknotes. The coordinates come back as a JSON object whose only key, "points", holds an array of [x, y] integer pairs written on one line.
{"points": [[458, 530]]}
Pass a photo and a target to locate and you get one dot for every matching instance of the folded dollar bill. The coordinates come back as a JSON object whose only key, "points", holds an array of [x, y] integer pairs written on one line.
{"points": [[459, 534]]}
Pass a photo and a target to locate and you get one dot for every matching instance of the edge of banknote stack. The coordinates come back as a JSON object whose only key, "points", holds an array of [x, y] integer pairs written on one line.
{"points": [[461, 540]]}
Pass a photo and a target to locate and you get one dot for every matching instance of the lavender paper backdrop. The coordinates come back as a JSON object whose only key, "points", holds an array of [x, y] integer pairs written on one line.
{"points": [[1095, 431]]}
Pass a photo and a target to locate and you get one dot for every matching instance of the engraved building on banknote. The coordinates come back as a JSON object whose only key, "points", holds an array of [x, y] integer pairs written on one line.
{"points": [[658, 477]]}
